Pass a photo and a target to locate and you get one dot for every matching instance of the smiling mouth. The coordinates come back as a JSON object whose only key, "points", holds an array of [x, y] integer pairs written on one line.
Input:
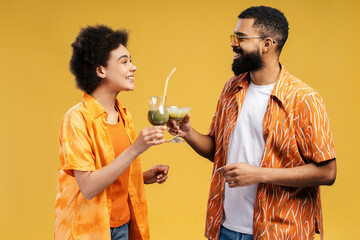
{"points": [[237, 55], [131, 78]]}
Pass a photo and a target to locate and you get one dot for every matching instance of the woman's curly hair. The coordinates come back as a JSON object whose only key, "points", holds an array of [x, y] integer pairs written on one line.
{"points": [[91, 49]]}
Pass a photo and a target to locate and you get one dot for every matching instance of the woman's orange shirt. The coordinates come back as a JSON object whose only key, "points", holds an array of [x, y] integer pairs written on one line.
{"points": [[86, 145], [120, 212]]}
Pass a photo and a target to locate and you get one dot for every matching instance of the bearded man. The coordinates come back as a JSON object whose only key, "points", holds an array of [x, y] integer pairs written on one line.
{"points": [[269, 139]]}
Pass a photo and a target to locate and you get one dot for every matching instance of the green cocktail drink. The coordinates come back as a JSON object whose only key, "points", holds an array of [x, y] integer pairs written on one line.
{"points": [[158, 117]]}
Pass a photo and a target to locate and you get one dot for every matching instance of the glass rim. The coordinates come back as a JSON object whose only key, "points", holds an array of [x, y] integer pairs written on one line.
{"points": [[177, 107]]}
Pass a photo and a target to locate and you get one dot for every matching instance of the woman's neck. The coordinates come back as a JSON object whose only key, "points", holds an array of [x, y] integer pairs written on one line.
{"points": [[106, 99]]}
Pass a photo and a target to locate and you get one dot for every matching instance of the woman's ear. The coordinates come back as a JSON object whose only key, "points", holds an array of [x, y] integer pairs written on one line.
{"points": [[100, 71]]}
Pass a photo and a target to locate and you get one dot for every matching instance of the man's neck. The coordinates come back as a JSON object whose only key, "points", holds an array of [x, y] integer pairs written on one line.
{"points": [[267, 75]]}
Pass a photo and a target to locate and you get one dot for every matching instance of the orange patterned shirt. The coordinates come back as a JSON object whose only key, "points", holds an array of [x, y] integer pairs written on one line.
{"points": [[296, 132], [86, 145]]}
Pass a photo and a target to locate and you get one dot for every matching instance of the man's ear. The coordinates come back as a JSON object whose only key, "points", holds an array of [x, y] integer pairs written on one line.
{"points": [[268, 44], [100, 71]]}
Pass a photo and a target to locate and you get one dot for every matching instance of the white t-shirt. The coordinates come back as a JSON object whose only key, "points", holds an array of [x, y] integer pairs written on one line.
{"points": [[246, 145]]}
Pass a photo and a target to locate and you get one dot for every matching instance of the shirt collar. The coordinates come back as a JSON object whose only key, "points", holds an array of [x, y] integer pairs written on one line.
{"points": [[243, 80], [95, 107], [280, 87]]}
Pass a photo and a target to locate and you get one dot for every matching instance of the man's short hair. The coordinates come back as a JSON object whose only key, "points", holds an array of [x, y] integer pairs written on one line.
{"points": [[271, 23], [91, 49]]}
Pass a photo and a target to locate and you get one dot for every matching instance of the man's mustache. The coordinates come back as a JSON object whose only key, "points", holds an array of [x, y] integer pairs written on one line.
{"points": [[237, 50]]}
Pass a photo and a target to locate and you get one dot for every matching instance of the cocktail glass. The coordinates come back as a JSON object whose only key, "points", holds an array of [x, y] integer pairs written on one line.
{"points": [[178, 114], [158, 114]]}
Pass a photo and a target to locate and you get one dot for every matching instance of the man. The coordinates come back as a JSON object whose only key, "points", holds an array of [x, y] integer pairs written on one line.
{"points": [[269, 139]]}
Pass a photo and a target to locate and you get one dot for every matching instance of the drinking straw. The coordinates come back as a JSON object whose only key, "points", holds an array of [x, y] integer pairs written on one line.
{"points": [[166, 84]]}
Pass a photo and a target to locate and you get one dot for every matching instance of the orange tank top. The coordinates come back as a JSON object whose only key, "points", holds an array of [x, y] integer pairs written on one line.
{"points": [[120, 213]]}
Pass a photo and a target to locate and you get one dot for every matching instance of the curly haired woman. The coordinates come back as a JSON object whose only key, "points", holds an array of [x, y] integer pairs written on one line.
{"points": [[100, 193]]}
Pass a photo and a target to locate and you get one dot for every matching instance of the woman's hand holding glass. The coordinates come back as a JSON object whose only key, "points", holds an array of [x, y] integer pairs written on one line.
{"points": [[148, 137]]}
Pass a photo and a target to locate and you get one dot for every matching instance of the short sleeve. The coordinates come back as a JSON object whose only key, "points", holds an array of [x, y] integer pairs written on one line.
{"points": [[214, 123], [75, 145], [212, 127], [315, 139]]}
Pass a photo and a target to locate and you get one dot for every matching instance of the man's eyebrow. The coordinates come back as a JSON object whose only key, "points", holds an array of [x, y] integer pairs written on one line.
{"points": [[240, 33], [123, 57]]}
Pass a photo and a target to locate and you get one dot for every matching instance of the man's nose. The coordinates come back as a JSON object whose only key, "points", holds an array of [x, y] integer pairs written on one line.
{"points": [[233, 44]]}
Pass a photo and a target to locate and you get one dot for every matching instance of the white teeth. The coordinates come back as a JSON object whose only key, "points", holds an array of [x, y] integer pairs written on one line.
{"points": [[130, 78]]}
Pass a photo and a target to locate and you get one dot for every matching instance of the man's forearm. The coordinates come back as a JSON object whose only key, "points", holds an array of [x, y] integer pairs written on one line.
{"points": [[204, 145], [303, 176]]}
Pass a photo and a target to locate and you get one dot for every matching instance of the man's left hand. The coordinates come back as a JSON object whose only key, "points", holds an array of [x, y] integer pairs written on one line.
{"points": [[240, 174]]}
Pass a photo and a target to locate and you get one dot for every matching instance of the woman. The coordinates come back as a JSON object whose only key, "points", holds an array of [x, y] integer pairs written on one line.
{"points": [[100, 192]]}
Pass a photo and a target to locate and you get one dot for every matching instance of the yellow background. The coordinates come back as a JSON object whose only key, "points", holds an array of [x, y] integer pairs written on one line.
{"points": [[37, 89]]}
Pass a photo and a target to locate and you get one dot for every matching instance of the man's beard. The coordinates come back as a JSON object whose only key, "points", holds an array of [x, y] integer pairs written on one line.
{"points": [[247, 62]]}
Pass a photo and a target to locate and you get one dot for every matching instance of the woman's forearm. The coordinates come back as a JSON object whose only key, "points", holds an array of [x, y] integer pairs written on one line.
{"points": [[92, 183]]}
